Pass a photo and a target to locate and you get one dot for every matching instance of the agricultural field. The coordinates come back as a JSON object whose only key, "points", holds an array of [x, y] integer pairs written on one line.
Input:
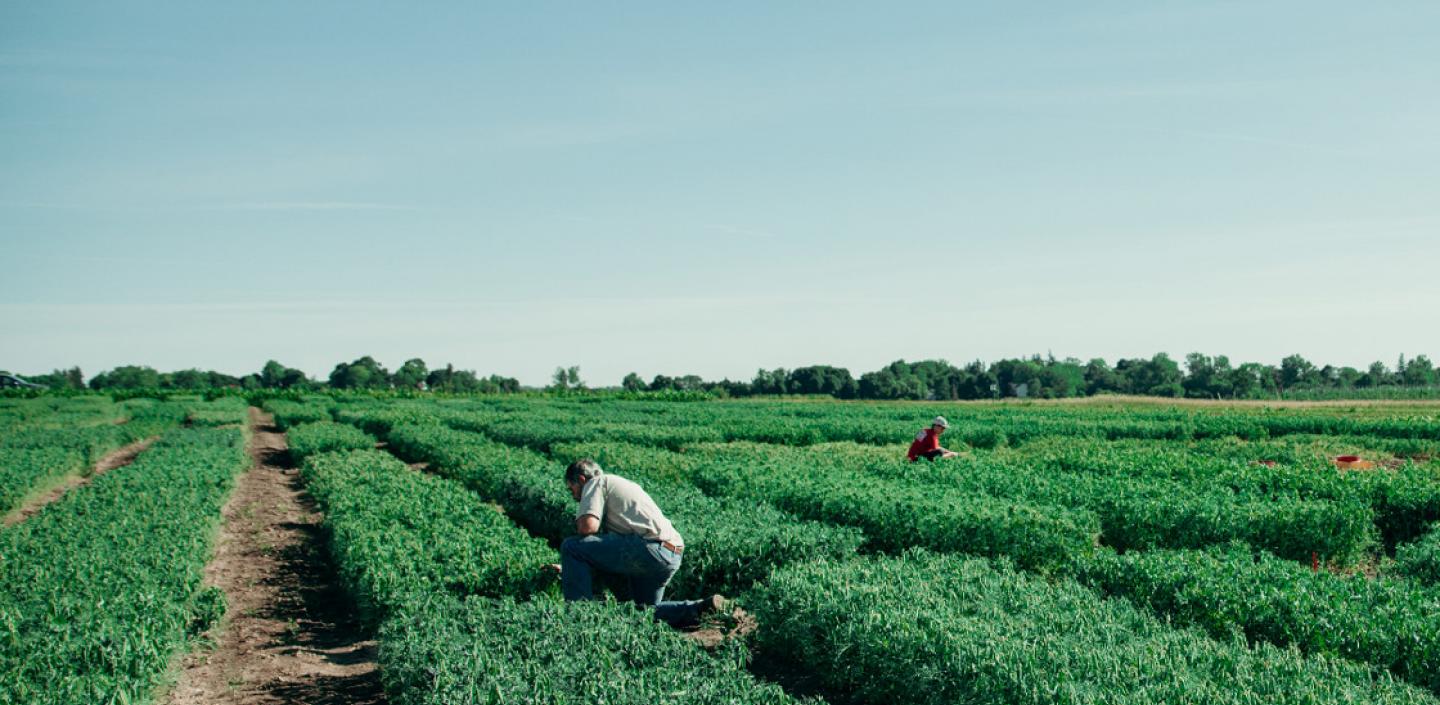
{"points": [[1099, 552]]}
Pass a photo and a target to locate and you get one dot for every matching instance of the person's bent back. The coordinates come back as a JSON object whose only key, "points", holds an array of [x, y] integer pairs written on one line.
{"points": [[621, 534], [927, 442]]}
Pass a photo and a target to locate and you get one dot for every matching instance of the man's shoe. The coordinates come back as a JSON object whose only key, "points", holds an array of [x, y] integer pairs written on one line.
{"points": [[712, 604]]}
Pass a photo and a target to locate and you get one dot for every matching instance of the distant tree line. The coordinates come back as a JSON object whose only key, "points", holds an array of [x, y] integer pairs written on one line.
{"points": [[1203, 377], [364, 373]]}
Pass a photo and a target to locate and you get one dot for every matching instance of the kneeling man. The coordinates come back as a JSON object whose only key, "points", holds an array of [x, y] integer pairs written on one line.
{"points": [[638, 550]]}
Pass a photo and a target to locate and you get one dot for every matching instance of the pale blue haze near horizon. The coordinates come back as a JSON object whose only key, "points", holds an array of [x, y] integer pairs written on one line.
{"points": [[685, 188]]}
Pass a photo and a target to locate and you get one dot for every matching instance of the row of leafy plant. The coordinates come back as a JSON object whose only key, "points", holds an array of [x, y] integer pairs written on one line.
{"points": [[934, 628], [895, 515], [809, 423], [1420, 559], [1389, 623], [729, 543], [394, 531], [444, 651], [48, 440], [466, 615], [1198, 677], [1404, 498], [100, 589], [1134, 512], [1149, 494]]}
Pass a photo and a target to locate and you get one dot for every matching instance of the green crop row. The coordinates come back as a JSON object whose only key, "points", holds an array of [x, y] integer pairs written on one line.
{"points": [[928, 628], [1230, 589], [893, 515], [65, 437], [293, 413], [313, 438], [897, 515], [545, 652], [729, 544], [139, 418], [1133, 512], [1420, 559], [23, 471], [225, 411], [407, 545], [534, 421], [1405, 499], [1145, 494], [101, 588], [394, 531]]}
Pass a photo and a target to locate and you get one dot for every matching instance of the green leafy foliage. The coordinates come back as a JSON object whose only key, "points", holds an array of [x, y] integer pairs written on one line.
{"points": [[728, 544], [293, 413], [224, 411], [1421, 559], [545, 652], [24, 470], [897, 515], [326, 437], [1232, 589], [101, 588], [396, 532], [930, 628], [45, 440]]}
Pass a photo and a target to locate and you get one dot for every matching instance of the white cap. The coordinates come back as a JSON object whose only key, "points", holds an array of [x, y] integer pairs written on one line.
{"points": [[941, 422]]}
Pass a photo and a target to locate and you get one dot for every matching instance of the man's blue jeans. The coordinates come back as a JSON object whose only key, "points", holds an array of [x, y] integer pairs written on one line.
{"points": [[639, 570]]}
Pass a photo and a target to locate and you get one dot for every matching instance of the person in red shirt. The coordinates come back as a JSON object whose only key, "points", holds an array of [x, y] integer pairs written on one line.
{"points": [[927, 442]]}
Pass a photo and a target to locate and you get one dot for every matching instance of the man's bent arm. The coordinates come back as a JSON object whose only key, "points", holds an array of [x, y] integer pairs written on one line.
{"points": [[587, 524]]}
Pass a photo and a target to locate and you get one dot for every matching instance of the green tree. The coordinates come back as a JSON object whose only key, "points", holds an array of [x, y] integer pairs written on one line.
{"points": [[495, 384], [1296, 370], [1418, 372], [632, 383], [411, 375], [277, 376], [1159, 376], [1207, 377], [364, 373], [127, 377], [72, 378], [1376, 375], [822, 379], [185, 379], [1247, 381], [1100, 378]]}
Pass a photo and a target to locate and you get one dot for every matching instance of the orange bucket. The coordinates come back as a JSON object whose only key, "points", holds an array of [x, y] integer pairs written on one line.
{"points": [[1352, 462]]}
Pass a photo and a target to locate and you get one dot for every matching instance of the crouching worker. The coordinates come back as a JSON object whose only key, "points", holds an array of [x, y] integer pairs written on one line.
{"points": [[637, 554], [927, 442]]}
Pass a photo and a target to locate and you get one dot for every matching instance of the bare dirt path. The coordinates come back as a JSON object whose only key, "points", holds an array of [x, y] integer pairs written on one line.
{"points": [[288, 635], [115, 459]]}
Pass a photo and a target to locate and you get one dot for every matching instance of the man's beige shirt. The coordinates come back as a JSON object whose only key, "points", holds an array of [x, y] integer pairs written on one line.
{"points": [[623, 508]]}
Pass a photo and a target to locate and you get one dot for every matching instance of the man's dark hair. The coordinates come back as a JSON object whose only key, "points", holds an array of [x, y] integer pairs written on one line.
{"points": [[582, 468]]}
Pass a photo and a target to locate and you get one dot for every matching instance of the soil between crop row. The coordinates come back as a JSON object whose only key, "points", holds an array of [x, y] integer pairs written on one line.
{"points": [[289, 635], [115, 459]]}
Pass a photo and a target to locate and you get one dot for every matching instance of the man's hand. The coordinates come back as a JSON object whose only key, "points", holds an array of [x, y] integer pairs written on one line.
{"points": [[550, 568]]}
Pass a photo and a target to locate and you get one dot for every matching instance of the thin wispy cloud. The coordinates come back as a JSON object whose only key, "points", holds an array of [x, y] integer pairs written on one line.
{"points": [[255, 206], [1253, 140], [318, 206]]}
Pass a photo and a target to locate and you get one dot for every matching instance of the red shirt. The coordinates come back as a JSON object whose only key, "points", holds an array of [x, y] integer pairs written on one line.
{"points": [[925, 442]]}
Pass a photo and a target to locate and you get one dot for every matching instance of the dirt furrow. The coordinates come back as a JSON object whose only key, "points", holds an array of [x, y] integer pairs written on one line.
{"points": [[288, 635], [115, 459]]}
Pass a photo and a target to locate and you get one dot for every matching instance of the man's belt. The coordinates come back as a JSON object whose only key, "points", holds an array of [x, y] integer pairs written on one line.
{"points": [[673, 548]]}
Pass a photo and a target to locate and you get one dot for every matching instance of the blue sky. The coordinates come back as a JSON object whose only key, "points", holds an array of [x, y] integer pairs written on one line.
{"points": [[672, 188]]}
